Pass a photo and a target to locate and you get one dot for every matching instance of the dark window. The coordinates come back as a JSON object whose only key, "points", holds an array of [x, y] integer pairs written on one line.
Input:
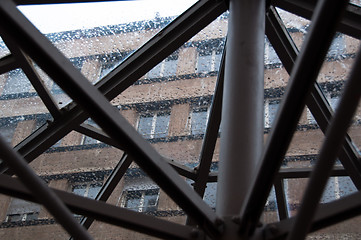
{"points": [[166, 68], [208, 61], [154, 125], [336, 188], [144, 200], [271, 111], [21, 210], [199, 120], [89, 190]]}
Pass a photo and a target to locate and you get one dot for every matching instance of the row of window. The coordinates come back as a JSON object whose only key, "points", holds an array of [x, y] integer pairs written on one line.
{"points": [[208, 60], [140, 200], [143, 196], [155, 124]]}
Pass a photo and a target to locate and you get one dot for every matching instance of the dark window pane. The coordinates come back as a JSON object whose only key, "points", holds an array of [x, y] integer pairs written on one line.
{"points": [[330, 191], [155, 72], [32, 216], [89, 140], [170, 68], [345, 186], [161, 126], [14, 218], [145, 126], [199, 121], [133, 200], [217, 62], [150, 202], [204, 63], [272, 111]]}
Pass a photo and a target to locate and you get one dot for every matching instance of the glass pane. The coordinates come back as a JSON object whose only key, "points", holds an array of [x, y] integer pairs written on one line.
{"points": [[145, 126], [133, 200], [161, 125], [150, 200], [199, 120]]}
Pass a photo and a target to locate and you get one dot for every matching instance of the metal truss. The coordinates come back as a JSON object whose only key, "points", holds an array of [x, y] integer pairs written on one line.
{"points": [[27, 44]]}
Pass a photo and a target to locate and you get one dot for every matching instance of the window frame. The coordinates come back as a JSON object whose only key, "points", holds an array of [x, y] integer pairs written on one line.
{"points": [[15, 210], [214, 53], [141, 208], [173, 58], [88, 186], [268, 117], [155, 116], [191, 124]]}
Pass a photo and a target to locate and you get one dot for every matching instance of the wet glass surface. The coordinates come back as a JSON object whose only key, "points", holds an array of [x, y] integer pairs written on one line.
{"points": [[169, 107]]}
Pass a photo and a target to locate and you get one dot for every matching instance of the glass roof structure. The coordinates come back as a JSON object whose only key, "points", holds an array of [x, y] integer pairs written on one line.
{"points": [[203, 119]]}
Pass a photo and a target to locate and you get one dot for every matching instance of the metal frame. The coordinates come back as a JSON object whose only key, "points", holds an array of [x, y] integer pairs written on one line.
{"points": [[27, 44]]}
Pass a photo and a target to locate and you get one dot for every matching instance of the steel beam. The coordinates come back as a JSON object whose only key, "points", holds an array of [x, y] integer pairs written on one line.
{"points": [[101, 111], [98, 134], [350, 24], [335, 135], [242, 106], [281, 199], [317, 102], [8, 63], [211, 135], [107, 213], [303, 76], [327, 215]]}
